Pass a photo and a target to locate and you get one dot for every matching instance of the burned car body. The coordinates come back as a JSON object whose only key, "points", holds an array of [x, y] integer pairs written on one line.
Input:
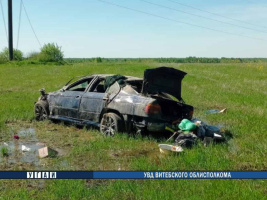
{"points": [[118, 103]]}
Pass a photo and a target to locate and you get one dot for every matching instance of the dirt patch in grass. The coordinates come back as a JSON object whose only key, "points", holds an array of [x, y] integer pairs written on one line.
{"points": [[23, 143]]}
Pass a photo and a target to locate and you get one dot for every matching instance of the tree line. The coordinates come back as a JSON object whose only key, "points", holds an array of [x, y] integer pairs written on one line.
{"points": [[169, 60]]}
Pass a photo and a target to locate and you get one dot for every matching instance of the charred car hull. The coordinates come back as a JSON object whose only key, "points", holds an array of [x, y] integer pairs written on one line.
{"points": [[118, 103]]}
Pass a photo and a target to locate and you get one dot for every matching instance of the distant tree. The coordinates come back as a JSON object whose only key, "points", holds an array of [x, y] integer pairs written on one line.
{"points": [[51, 53], [17, 55], [33, 55], [98, 60]]}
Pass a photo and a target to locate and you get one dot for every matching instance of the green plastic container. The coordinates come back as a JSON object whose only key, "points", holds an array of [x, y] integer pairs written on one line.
{"points": [[187, 125]]}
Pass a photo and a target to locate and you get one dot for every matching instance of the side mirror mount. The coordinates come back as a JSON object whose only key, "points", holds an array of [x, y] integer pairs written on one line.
{"points": [[63, 89], [43, 94]]}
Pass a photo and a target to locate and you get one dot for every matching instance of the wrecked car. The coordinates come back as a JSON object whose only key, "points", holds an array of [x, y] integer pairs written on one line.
{"points": [[117, 103]]}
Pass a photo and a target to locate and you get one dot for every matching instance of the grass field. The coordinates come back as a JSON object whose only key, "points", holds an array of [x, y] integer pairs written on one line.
{"points": [[241, 88]]}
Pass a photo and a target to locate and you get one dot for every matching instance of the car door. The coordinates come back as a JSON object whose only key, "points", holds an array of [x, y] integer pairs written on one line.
{"points": [[93, 101], [69, 99]]}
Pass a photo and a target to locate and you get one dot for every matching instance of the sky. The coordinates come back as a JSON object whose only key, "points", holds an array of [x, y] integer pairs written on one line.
{"points": [[91, 28]]}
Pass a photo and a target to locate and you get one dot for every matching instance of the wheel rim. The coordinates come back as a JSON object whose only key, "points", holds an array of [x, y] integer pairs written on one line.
{"points": [[40, 113], [108, 126]]}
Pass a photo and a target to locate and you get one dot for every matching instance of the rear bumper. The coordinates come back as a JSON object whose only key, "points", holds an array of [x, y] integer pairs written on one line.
{"points": [[152, 125], [157, 127]]}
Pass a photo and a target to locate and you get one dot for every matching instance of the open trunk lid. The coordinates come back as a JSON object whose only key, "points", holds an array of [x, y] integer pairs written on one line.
{"points": [[163, 79]]}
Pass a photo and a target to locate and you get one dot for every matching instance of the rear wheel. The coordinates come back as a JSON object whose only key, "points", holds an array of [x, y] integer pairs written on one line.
{"points": [[41, 110], [111, 124]]}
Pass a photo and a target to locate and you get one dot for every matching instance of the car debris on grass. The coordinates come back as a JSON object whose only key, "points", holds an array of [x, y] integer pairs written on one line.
{"points": [[191, 131]]}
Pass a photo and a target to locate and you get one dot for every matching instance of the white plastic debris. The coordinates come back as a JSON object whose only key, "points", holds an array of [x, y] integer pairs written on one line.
{"points": [[166, 148], [217, 135], [223, 110], [24, 148], [5, 144]]}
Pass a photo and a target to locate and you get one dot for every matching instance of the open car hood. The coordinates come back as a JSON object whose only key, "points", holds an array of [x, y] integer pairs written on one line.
{"points": [[163, 79]]}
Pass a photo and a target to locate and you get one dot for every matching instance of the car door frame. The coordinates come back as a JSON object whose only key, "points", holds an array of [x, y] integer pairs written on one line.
{"points": [[58, 100], [92, 103]]}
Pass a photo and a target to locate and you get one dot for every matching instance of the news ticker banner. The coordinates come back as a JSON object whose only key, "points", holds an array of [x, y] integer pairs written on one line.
{"points": [[133, 174]]}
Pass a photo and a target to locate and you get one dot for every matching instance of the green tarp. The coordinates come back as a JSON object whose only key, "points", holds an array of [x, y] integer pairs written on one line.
{"points": [[110, 80]]}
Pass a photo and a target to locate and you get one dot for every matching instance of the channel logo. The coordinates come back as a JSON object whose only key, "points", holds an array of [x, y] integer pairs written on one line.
{"points": [[42, 175]]}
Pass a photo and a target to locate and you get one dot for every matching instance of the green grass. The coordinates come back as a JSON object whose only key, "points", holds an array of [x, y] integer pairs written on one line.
{"points": [[241, 88], [4, 151]]}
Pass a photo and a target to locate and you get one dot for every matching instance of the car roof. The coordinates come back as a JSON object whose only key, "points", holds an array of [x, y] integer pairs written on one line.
{"points": [[106, 75]]}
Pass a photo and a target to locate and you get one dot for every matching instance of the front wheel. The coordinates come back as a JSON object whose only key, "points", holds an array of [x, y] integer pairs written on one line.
{"points": [[41, 110], [111, 124]]}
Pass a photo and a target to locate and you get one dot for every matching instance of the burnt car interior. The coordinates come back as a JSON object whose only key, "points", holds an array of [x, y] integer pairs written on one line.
{"points": [[135, 84], [132, 86], [98, 86]]}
